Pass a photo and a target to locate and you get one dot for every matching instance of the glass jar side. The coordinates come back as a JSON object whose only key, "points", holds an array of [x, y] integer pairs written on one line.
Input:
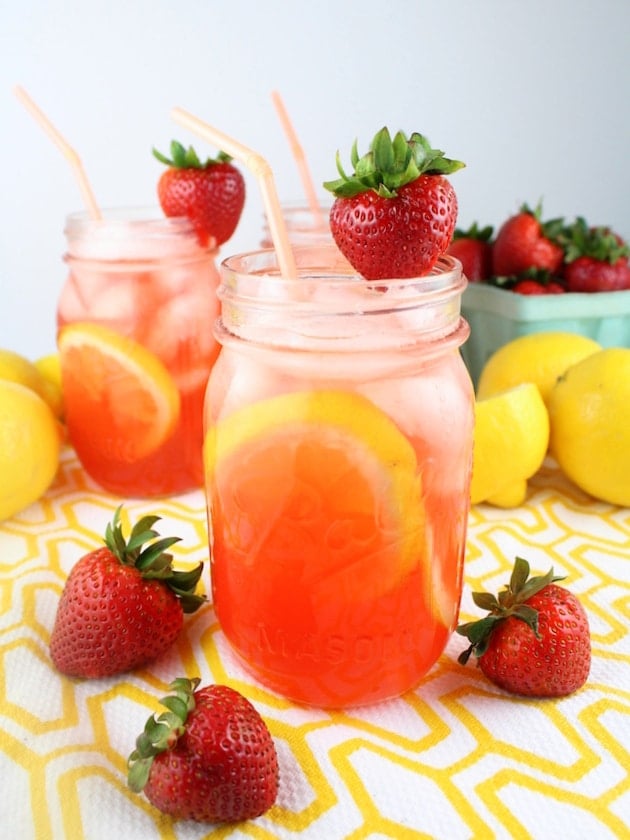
{"points": [[337, 485], [141, 296]]}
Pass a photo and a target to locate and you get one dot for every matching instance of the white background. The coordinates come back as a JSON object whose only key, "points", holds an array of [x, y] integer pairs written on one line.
{"points": [[533, 96]]}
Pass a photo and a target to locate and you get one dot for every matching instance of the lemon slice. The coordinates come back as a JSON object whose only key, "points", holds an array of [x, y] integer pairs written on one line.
{"points": [[510, 444], [322, 484], [539, 358], [118, 395]]}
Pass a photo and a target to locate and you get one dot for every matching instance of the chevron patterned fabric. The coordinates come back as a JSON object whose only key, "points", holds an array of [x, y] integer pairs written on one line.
{"points": [[454, 759]]}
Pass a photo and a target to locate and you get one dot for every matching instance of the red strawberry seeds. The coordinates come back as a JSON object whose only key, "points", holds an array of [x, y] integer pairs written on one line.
{"points": [[122, 605], [525, 242], [210, 194], [535, 640], [210, 758], [395, 216]]}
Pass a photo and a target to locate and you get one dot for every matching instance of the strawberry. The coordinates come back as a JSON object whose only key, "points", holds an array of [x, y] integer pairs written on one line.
{"points": [[395, 215], [525, 242], [210, 758], [122, 605], [535, 640], [473, 249], [210, 194], [596, 259], [530, 286]]}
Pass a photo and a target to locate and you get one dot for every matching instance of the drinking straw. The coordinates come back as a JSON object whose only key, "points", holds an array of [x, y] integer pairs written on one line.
{"points": [[67, 150], [262, 171], [300, 158]]}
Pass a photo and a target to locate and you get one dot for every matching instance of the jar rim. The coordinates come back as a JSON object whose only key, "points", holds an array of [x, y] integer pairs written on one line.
{"points": [[246, 275], [129, 233]]}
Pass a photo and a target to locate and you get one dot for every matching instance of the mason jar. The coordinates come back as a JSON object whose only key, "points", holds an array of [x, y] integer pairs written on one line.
{"points": [[338, 429], [136, 344]]}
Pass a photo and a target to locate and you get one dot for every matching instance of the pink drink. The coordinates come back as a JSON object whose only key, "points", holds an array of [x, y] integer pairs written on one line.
{"points": [[148, 280], [338, 450]]}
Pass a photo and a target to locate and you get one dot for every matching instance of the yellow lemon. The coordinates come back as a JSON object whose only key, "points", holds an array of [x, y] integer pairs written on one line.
{"points": [[50, 368], [115, 387], [511, 441], [29, 447], [17, 368], [539, 358], [589, 410]]}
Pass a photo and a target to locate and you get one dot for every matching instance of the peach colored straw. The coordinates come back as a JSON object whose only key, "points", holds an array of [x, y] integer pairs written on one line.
{"points": [[67, 150], [261, 169], [300, 158]]}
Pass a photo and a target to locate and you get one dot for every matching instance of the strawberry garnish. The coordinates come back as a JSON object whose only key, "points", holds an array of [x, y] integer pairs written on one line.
{"points": [[395, 215], [122, 605], [473, 249], [210, 194], [535, 639], [209, 758], [525, 242], [596, 259]]}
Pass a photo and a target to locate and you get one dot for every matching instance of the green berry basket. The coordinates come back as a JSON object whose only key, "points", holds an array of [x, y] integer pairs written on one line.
{"points": [[496, 316]]}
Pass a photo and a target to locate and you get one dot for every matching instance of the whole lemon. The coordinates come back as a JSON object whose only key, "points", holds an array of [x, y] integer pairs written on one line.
{"points": [[17, 368], [29, 447], [589, 410], [538, 357], [50, 368], [511, 439]]}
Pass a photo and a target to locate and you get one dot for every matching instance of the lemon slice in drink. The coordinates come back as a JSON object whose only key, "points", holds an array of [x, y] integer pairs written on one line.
{"points": [[117, 393], [510, 444], [320, 486]]}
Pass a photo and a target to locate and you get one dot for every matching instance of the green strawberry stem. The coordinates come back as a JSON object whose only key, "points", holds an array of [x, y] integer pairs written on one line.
{"points": [[509, 603], [161, 732], [182, 158], [598, 243], [390, 164], [152, 561], [552, 229], [482, 234]]}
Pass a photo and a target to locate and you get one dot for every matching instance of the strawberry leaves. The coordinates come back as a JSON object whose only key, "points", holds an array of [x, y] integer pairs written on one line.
{"points": [[152, 561], [161, 732], [510, 602], [390, 164], [187, 158]]}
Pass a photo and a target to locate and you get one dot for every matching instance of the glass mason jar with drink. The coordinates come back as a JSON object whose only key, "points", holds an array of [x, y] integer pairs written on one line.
{"points": [[337, 451], [136, 346]]}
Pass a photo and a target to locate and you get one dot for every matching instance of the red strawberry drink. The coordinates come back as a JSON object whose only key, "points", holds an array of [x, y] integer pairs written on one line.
{"points": [[338, 440], [136, 345]]}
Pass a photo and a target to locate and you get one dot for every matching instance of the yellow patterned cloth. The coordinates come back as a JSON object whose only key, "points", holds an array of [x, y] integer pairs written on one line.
{"points": [[455, 759]]}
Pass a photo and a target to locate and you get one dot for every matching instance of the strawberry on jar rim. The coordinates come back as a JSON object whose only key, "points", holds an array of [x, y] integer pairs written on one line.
{"points": [[209, 758], [211, 194], [473, 248], [395, 215], [122, 605], [525, 242], [535, 640], [596, 259]]}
